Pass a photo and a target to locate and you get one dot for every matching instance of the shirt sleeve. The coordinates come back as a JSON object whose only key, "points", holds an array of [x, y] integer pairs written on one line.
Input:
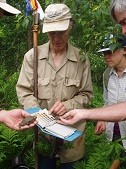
{"points": [[105, 93], [24, 87]]}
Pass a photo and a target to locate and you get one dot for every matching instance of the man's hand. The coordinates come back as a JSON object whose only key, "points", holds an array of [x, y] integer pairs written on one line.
{"points": [[13, 118], [100, 127], [71, 117], [58, 109]]}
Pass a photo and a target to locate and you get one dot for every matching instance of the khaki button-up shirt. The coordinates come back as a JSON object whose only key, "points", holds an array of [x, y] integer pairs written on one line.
{"points": [[70, 83]]}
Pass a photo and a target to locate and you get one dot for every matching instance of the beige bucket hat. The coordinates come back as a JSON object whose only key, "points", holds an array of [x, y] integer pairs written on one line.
{"points": [[56, 18], [8, 9]]}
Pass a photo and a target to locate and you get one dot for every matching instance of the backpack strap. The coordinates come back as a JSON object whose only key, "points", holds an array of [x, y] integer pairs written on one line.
{"points": [[106, 76]]}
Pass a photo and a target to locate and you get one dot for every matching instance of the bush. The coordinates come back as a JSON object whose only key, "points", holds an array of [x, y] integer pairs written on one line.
{"points": [[7, 89]]}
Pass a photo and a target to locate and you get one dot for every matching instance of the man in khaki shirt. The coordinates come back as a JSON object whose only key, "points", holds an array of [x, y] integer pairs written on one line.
{"points": [[64, 79]]}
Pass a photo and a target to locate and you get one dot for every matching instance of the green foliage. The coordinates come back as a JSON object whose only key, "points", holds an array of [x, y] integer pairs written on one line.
{"points": [[80, 165], [83, 57], [14, 143], [45, 147], [29, 159], [68, 145], [93, 163], [100, 153], [2, 35], [97, 100], [98, 66], [23, 21], [92, 24], [7, 89], [2, 157]]}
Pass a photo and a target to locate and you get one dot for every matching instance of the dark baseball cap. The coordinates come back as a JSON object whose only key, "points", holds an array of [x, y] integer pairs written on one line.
{"points": [[121, 40]]}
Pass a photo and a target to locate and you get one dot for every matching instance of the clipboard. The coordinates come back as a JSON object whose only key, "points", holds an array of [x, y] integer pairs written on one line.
{"points": [[72, 137]]}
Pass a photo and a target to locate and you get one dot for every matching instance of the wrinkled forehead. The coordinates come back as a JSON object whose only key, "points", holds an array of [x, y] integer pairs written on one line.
{"points": [[120, 16], [3, 1]]}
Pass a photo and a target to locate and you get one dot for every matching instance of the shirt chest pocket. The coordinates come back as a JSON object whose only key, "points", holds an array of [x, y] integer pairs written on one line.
{"points": [[70, 88], [44, 88]]}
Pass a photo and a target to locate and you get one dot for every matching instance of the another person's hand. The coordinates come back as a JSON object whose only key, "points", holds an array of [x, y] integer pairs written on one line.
{"points": [[71, 117], [100, 127], [58, 108], [12, 119]]}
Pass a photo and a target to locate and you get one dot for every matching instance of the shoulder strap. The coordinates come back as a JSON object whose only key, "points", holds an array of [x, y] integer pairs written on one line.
{"points": [[106, 76]]}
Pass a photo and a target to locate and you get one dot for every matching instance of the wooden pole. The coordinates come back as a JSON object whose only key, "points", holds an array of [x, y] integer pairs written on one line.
{"points": [[115, 164], [35, 44]]}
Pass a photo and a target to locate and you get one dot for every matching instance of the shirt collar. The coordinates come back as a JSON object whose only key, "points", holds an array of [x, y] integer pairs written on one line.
{"points": [[114, 71], [43, 52], [71, 54]]}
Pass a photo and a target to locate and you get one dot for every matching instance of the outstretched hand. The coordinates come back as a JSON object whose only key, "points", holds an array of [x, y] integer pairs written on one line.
{"points": [[12, 119], [71, 117]]}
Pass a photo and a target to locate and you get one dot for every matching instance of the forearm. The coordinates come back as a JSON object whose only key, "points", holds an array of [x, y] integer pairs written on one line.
{"points": [[2, 115], [115, 112]]}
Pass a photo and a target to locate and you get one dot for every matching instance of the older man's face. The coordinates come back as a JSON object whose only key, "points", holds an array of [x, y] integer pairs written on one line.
{"points": [[58, 39], [1, 13], [121, 19]]}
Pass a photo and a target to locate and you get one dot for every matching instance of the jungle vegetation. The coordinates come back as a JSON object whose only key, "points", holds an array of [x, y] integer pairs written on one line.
{"points": [[92, 24]]}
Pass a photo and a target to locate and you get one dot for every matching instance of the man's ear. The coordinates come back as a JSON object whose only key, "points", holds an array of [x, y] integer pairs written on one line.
{"points": [[124, 50], [70, 26], [71, 23]]}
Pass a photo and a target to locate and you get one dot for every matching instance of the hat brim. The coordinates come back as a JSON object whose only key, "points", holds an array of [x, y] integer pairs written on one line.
{"points": [[55, 26], [103, 50], [8, 9]]}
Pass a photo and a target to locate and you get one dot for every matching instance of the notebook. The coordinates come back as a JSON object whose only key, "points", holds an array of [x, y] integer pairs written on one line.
{"points": [[47, 123]]}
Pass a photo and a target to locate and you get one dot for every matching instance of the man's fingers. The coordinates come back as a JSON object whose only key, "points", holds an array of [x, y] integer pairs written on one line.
{"points": [[53, 108], [62, 121], [66, 116], [25, 114]]}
